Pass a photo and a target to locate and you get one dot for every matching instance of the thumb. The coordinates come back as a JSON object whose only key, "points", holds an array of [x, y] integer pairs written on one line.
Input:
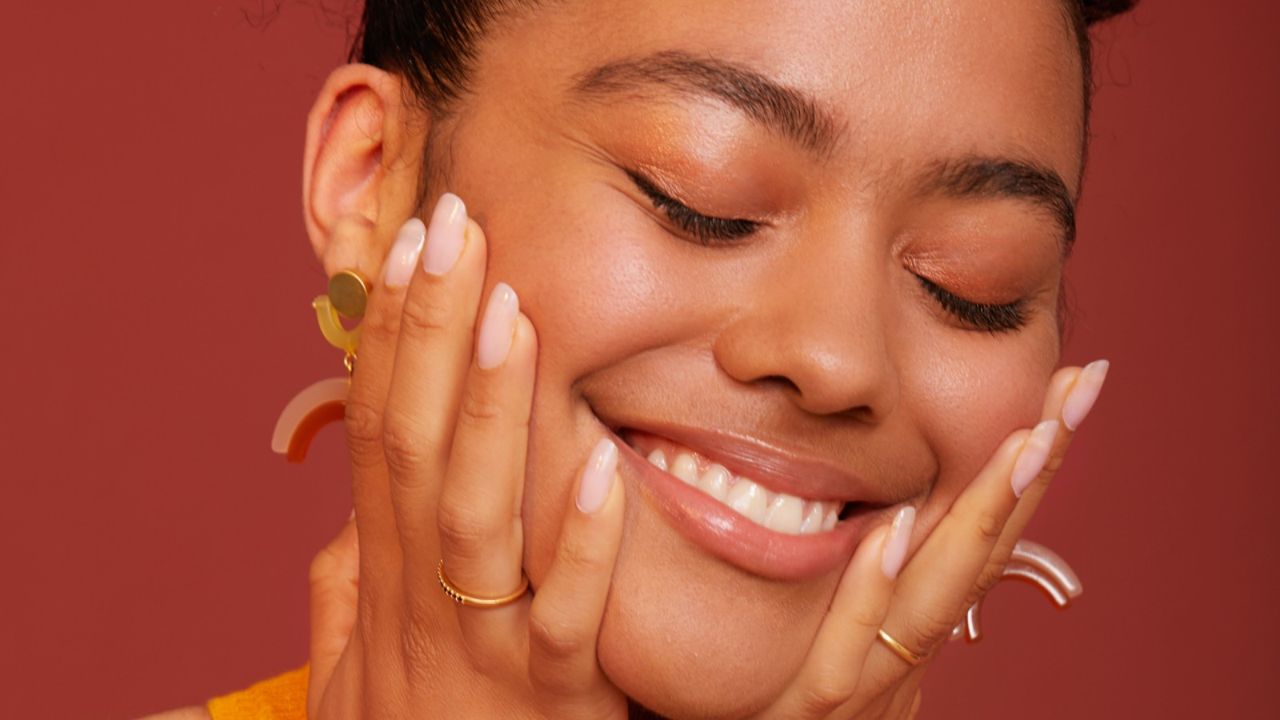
{"points": [[335, 581]]}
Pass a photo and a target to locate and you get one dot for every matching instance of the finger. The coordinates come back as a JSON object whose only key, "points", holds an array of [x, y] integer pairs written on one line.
{"points": [[564, 620], [334, 582], [955, 564], [1071, 396], [366, 399], [432, 356], [931, 594], [830, 674], [481, 533]]}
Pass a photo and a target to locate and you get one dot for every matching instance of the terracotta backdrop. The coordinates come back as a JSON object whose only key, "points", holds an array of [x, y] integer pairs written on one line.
{"points": [[156, 282]]}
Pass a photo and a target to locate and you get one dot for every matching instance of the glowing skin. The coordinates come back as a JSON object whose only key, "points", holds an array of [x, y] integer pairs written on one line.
{"points": [[813, 334]]}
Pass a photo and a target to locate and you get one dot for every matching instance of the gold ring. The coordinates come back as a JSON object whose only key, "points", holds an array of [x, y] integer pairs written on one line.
{"points": [[899, 649], [464, 599]]}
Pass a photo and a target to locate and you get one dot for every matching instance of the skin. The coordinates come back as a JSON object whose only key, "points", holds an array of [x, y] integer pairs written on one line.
{"points": [[630, 315], [812, 334]]}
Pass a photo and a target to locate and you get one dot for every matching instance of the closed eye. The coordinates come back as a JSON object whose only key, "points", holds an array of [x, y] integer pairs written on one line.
{"points": [[1007, 317], [704, 229]]}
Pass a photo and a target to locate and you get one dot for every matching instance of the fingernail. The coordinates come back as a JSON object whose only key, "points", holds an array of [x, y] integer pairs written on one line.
{"points": [[497, 327], [444, 236], [1084, 394], [1034, 454], [404, 253], [597, 476], [895, 546]]}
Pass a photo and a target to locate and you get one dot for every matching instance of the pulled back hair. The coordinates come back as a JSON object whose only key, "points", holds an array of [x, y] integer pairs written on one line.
{"points": [[432, 43]]}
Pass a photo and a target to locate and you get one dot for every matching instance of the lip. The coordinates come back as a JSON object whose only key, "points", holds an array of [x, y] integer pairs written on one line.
{"points": [[771, 466], [738, 541]]}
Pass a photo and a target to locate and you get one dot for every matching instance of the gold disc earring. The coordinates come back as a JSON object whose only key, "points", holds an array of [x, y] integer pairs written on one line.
{"points": [[325, 401]]}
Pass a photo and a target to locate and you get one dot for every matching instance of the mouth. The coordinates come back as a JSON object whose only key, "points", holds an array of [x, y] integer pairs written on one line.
{"points": [[766, 511]]}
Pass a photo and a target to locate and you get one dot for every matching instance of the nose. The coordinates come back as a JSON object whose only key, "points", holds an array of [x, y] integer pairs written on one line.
{"points": [[817, 330]]}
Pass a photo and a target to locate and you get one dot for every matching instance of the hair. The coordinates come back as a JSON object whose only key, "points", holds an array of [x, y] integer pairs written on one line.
{"points": [[432, 43]]}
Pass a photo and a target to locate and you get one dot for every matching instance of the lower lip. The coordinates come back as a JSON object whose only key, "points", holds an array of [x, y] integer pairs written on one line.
{"points": [[738, 541]]}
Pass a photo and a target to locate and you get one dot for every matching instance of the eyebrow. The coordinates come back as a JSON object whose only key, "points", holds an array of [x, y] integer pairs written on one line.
{"points": [[785, 110], [805, 121], [988, 177]]}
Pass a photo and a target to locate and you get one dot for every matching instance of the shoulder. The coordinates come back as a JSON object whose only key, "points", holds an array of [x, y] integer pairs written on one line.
{"points": [[195, 712]]}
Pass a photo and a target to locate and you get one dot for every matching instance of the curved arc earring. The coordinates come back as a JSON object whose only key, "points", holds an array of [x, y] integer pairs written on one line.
{"points": [[1033, 563], [325, 401]]}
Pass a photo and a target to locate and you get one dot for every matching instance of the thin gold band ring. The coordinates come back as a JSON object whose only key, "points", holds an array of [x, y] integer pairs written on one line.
{"points": [[899, 649], [463, 598]]}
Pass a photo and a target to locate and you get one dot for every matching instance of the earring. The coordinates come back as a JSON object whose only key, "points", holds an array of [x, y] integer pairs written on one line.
{"points": [[325, 401]]}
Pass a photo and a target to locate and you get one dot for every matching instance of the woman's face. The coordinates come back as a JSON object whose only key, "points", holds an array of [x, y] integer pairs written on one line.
{"points": [[873, 312]]}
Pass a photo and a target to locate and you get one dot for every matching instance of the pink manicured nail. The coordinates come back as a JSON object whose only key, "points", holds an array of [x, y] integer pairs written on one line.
{"points": [[1084, 394], [444, 236], [597, 477], [1034, 454], [895, 546], [498, 326], [403, 257]]}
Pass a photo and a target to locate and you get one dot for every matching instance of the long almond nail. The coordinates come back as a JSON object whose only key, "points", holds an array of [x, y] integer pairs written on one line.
{"points": [[598, 476], [1033, 456], [1084, 394], [895, 546], [498, 326], [445, 235], [403, 257]]}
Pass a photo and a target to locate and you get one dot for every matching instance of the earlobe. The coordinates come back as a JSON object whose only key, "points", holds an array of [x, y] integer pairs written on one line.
{"points": [[361, 167]]}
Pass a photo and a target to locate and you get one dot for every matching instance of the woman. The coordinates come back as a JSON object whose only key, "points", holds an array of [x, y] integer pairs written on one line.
{"points": [[790, 276]]}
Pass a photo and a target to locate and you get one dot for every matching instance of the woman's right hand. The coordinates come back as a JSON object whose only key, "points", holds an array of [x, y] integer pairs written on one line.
{"points": [[437, 425]]}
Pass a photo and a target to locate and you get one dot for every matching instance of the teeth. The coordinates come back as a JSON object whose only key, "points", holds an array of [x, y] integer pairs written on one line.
{"points": [[715, 482], [685, 468], [829, 521], [658, 459], [813, 519], [784, 514], [748, 498], [777, 511]]}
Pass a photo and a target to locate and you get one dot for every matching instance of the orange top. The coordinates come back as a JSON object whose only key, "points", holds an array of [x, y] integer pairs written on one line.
{"points": [[283, 697]]}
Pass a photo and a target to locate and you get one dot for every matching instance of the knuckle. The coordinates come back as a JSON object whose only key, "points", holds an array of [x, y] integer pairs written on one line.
{"points": [[404, 444], [426, 313], [830, 688], [480, 406], [925, 627], [415, 652], [364, 430], [555, 635], [578, 558], [988, 526], [464, 530]]}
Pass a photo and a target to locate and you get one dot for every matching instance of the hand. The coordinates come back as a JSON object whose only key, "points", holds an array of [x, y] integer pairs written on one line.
{"points": [[848, 673], [437, 426]]}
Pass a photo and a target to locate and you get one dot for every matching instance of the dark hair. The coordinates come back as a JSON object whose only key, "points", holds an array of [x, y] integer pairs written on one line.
{"points": [[432, 43]]}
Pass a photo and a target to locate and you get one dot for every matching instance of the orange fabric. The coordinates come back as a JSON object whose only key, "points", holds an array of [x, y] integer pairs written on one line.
{"points": [[283, 697]]}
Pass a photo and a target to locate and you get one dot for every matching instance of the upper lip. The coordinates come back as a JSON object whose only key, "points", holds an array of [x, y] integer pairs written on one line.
{"points": [[775, 467]]}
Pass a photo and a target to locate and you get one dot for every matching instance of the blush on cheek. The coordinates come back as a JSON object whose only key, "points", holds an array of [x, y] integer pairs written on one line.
{"points": [[967, 408]]}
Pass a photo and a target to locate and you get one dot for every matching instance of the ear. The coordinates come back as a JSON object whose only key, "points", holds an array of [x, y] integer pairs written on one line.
{"points": [[361, 167]]}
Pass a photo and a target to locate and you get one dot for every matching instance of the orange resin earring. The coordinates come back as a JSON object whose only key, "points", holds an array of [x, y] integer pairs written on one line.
{"points": [[324, 402]]}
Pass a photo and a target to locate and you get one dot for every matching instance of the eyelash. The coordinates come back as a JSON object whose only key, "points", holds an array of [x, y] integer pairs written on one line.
{"points": [[994, 319], [706, 230]]}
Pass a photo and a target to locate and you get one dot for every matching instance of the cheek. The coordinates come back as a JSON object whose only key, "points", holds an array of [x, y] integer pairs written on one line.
{"points": [[968, 397]]}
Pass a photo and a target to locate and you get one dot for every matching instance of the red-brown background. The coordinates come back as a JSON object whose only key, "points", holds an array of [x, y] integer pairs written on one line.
{"points": [[156, 283]]}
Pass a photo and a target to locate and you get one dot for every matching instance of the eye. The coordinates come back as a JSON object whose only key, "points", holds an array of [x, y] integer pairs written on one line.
{"points": [[704, 229], [1008, 317]]}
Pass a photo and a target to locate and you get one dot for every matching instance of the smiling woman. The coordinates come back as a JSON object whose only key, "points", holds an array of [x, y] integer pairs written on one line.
{"points": [[765, 387]]}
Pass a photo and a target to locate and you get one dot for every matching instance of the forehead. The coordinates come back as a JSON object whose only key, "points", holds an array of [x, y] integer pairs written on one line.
{"points": [[909, 82]]}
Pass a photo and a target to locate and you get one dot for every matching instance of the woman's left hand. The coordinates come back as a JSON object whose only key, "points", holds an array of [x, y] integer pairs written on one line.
{"points": [[848, 673]]}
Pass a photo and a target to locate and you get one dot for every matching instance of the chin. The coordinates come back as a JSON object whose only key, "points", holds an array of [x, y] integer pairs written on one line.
{"points": [[687, 635]]}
